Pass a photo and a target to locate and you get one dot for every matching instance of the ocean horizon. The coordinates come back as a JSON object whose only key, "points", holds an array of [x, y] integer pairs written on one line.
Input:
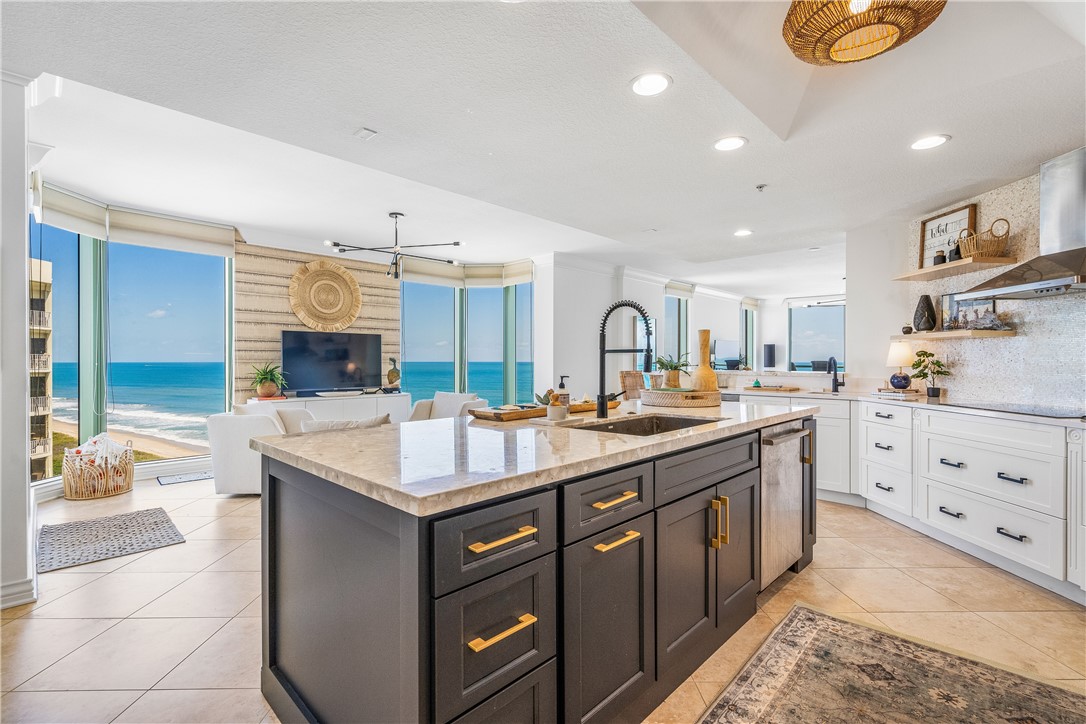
{"points": [[172, 400]]}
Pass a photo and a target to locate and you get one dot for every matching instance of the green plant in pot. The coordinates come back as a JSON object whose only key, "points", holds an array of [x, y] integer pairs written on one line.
{"points": [[671, 368], [268, 380], [928, 367]]}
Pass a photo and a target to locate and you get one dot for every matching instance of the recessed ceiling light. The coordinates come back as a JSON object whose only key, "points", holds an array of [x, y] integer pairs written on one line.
{"points": [[743, 232], [815, 248], [730, 143], [650, 84], [930, 142]]}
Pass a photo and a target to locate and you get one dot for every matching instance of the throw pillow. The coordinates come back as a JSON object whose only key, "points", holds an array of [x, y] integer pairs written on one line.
{"points": [[448, 404], [317, 425], [293, 417], [267, 409]]}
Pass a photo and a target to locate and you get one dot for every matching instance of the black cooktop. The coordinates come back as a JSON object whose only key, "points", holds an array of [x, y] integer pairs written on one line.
{"points": [[1057, 411]]}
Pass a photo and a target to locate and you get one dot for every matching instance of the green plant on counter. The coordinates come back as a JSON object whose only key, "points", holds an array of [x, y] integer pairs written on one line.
{"points": [[928, 367], [268, 373], [669, 363]]}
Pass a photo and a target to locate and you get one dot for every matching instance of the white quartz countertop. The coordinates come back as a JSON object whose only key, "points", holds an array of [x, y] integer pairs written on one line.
{"points": [[432, 466]]}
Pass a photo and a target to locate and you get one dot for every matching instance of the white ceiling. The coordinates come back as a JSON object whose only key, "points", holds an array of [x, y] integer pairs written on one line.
{"points": [[523, 112]]}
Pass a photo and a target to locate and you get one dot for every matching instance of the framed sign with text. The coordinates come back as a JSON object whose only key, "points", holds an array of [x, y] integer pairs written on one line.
{"points": [[940, 233]]}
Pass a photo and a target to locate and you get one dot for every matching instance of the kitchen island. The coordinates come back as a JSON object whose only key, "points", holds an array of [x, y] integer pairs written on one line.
{"points": [[468, 571]]}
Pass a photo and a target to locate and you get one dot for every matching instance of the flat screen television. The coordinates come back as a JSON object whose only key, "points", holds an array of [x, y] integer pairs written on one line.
{"points": [[321, 361]]}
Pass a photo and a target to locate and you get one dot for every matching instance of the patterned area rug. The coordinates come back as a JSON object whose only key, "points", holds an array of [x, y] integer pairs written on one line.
{"points": [[817, 668], [86, 541], [184, 477]]}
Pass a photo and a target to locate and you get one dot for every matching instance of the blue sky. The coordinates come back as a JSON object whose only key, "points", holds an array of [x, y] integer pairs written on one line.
{"points": [[428, 324], [164, 306], [818, 333]]}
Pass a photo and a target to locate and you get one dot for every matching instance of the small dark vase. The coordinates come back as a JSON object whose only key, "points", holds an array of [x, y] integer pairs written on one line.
{"points": [[934, 392], [940, 258], [924, 316], [900, 381], [907, 329], [955, 253]]}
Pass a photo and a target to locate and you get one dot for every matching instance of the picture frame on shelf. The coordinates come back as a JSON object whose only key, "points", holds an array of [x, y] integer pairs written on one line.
{"points": [[969, 314], [940, 232]]}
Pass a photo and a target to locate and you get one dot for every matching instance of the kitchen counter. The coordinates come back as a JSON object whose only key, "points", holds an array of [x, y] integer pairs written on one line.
{"points": [[432, 466]]}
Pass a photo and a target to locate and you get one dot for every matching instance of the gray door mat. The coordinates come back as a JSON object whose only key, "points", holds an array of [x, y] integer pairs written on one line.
{"points": [[85, 541]]}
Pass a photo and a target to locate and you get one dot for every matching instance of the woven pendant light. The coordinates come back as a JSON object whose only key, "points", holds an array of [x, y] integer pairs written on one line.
{"points": [[833, 32]]}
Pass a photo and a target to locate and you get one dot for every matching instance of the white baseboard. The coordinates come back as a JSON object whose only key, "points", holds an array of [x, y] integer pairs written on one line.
{"points": [[832, 496], [18, 593], [54, 487]]}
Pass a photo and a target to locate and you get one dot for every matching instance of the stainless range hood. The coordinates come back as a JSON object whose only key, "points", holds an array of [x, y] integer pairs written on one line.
{"points": [[1061, 267]]}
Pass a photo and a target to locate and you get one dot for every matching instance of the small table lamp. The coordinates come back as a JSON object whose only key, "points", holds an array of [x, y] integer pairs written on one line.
{"points": [[900, 356]]}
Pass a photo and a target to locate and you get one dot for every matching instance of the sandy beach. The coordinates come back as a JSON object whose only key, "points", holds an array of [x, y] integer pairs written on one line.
{"points": [[146, 443]]}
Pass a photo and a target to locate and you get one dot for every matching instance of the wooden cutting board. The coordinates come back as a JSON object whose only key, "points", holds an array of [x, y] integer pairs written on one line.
{"points": [[773, 389], [493, 414]]}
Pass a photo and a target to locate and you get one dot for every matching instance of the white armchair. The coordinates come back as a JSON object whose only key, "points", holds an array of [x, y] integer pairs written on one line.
{"points": [[234, 464], [446, 404]]}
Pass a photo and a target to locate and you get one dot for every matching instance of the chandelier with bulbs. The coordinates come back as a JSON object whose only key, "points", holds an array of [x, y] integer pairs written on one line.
{"points": [[834, 32], [396, 250]]}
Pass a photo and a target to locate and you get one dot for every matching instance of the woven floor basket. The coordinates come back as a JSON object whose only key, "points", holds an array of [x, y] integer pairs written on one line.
{"points": [[83, 480]]}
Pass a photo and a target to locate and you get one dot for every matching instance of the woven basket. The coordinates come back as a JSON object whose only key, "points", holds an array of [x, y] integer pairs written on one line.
{"points": [[83, 480], [987, 243], [672, 398]]}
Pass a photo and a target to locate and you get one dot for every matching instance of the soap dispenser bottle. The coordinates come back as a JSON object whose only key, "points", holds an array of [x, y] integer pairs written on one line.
{"points": [[563, 393]]}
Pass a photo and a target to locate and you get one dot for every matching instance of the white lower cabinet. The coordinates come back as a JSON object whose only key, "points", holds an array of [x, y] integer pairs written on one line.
{"points": [[887, 445], [833, 458]]}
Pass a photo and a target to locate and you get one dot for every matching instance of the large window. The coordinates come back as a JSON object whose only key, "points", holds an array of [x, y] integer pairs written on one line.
{"points": [[428, 324], [523, 335], [674, 342], [486, 332], [816, 333]]}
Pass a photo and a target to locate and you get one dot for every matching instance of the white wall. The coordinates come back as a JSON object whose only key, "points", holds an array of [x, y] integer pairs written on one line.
{"points": [[772, 324], [717, 312], [17, 580]]}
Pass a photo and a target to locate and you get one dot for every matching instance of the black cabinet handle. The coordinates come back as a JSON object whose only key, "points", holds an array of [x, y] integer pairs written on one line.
{"points": [[1009, 479], [944, 461], [887, 488], [880, 446], [947, 512], [1003, 532], [885, 417]]}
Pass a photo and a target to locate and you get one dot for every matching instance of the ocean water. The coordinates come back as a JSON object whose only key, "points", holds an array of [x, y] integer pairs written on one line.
{"points": [[422, 379], [170, 400]]}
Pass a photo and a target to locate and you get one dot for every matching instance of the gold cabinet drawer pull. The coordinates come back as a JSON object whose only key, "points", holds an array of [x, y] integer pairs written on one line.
{"points": [[725, 534], [478, 644], [525, 530], [604, 505], [630, 535], [714, 540]]}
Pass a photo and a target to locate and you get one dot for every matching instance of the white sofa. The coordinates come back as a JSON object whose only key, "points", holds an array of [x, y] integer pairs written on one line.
{"points": [[234, 464], [446, 404]]}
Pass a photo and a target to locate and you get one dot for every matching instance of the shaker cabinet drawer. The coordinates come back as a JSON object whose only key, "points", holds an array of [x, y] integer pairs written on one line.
{"points": [[595, 504], [531, 700], [490, 634], [1017, 434], [894, 415], [885, 445], [887, 486], [1031, 480], [472, 546], [1032, 539], [679, 475]]}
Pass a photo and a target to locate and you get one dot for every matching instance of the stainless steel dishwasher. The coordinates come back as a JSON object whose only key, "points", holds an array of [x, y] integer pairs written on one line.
{"points": [[782, 498]]}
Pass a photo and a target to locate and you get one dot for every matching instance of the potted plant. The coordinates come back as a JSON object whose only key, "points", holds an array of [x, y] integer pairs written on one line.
{"points": [[928, 367], [672, 367], [268, 380]]}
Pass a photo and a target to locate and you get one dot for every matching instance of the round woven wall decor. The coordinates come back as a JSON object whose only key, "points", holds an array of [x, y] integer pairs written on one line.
{"points": [[325, 296]]}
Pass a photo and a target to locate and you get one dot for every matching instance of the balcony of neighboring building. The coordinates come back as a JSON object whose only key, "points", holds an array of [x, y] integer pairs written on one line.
{"points": [[41, 363], [41, 405], [40, 319], [40, 273], [40, 447]]}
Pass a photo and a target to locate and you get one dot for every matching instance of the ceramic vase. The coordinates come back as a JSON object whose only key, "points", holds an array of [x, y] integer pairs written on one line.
{"points": [[671, 379], [924, 316], [267, 389], [704, 376]]}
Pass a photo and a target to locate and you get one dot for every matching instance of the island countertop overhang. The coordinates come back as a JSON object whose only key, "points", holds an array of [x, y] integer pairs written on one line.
{"points": [[430, 467]]}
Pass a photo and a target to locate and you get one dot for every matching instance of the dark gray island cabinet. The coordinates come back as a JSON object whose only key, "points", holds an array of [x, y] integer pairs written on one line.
{"points": [[589, 599]]}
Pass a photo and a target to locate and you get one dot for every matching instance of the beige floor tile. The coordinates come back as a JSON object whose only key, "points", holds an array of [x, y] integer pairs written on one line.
{"points": [[1060, 634], [902, 552], [710, 690], [683, 706], [117, 595], [210, 593], [824, 531], [64, 707], [209, 506], [240, 528], [228, 660], [52, 586], [872, 527], [271, 718], [151, 490], [254, 609], [841, 553], [983, 589], [862, 617], [87, 509], [192, 555], [811, 589], [134, 654], [969, 633], [30, 645], [726, 661], [251, 510], [244, 558], [1076, 685], [185, 524], [778, 585], [887, 589], [223, 706]]}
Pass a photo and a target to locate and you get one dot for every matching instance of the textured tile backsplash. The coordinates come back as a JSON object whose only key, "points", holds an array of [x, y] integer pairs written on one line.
{"points": [[1046, 362]]}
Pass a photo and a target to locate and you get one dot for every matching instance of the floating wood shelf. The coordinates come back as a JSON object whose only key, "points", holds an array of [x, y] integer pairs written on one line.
{"points": [[955, 334], [953, 268]]}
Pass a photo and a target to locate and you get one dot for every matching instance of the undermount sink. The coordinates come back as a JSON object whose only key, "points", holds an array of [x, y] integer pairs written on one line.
{"points": [[647, 425]]}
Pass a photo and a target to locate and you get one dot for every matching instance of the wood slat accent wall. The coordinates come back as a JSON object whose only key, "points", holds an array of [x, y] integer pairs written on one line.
{"points": [[262, 310]]}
